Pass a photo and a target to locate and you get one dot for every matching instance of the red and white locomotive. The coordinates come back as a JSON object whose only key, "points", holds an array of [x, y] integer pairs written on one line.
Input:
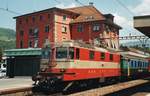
{"points": [[76, 62]]}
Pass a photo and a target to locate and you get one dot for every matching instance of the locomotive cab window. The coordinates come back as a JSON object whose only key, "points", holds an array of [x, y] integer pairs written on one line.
{"points": [[91, 55], [102, 56], [71, 53], [111, 57], [77, 53], [61, 52]]}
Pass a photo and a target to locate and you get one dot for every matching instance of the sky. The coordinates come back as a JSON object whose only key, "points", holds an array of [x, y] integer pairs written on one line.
{"points": [[123, 12]]}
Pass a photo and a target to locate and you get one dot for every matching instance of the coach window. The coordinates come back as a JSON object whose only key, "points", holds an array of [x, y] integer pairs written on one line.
{"points": [[91, 55], [143, 64], [71, 53], [132, 64], [102, 56], [135, 62], [138, 63], [146, 64], [77, 53], [111, 57]]}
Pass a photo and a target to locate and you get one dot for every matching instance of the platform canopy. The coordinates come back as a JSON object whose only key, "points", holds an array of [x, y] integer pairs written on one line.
{"points": [[23, 52], [142, 23]]}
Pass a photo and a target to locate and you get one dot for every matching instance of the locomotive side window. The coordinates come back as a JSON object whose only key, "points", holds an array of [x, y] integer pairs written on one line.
{"points": [[77, 53], [91, 55], [61, 52], [71, 53], [102, 56], [111, 57]]}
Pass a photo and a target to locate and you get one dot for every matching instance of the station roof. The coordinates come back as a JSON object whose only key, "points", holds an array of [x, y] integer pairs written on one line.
{"points": [[23, 52], [142, 23]]}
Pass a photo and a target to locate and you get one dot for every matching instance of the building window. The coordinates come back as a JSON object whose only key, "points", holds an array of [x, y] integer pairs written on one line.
{"points": [[91, 55], [111, 57], [21, 33], [80, 28], [27, 20], [41, 17], [21, 44], [47, 28], [20, 21], [36, 32], [96, 27], [33, 19], [77, 53], [102, 56], [35, 43], [30, 32], [30, 43], [64, 17], [64, 29], [49, 16]]}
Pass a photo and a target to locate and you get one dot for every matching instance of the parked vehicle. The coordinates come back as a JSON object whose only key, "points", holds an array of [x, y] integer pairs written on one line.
{"points": [[3, 67]]}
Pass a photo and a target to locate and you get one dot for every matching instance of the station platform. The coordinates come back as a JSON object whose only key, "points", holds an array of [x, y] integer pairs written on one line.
{"points": [[15, 83]]}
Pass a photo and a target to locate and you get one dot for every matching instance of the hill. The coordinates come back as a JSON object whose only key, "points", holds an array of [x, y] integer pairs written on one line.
{"points": [[7, 34], [7, 38]]}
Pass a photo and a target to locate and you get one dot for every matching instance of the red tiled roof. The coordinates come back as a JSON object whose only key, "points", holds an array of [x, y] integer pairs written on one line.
{"points": [[50, 9], [87, 13]]}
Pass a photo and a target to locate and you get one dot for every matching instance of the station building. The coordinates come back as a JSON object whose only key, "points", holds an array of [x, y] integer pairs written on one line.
{"points": [[84, 23], [55, 25]]}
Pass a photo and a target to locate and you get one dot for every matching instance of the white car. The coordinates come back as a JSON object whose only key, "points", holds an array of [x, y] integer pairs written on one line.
{"points": [[2, 73], [2, 70]]}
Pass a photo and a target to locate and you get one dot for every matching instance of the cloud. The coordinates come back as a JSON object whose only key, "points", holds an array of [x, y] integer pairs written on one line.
{"points": [[122, 21], [64, 6], [143, 8], [126, 24]]}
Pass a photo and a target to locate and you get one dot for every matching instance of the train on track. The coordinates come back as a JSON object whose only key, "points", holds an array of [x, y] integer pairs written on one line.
{"points": [[72, 64]]}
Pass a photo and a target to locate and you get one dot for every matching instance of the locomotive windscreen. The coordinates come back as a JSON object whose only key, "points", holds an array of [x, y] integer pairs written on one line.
{"points": [[64, 52], [61, 52]]}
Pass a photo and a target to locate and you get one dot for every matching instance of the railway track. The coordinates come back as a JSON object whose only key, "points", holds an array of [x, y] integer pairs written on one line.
{"points": [[105, 90]]}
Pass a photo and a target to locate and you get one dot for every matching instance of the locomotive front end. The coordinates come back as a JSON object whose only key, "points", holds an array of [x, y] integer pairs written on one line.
{"points": [[53, 67]]}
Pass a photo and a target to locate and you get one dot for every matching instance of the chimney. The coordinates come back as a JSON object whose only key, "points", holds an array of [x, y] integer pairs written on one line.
{"points": [[91, 3]]}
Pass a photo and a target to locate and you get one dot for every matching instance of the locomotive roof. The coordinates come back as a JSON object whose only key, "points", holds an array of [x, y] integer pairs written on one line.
{"points": [[130, 54], [79, 44]]}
